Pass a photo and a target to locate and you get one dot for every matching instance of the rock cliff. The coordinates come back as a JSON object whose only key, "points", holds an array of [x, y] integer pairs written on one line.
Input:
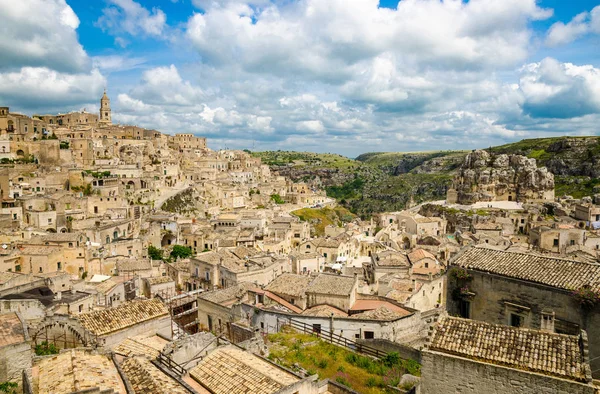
{"points": [[485, 177]]}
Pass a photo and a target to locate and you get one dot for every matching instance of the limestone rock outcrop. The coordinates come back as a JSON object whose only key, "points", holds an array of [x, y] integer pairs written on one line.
{"points": [[487, 177]]}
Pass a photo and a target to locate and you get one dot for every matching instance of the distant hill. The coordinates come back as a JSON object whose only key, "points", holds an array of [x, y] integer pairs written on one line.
{"points": [[385, 181]]}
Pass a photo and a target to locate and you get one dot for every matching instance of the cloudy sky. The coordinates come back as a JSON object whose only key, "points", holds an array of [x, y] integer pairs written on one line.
{"points": [[344, 76]]}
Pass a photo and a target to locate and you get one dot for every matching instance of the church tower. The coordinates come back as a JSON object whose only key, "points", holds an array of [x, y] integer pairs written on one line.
{"points": [[105, 115]]}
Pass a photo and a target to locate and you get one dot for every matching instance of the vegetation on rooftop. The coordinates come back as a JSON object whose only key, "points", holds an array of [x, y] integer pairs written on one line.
{"points": [[45, 349], [361, 373], [323, 217], [8, 387]]}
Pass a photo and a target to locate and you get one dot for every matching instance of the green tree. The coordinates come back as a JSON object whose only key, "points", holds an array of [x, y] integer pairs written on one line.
{"points": [[181, 251], [45, 349], [8, 387], [155, 253], [277, 199]]}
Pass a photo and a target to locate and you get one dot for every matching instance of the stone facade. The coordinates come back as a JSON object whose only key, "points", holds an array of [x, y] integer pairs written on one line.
{"points": [[447, 374]]}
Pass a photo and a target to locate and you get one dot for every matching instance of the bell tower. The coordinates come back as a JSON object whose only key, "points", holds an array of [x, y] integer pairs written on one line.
{"points": [[105, 115]]}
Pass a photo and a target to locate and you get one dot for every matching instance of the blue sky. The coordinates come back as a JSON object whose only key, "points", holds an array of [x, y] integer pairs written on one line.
{"points": [[344, 76]]}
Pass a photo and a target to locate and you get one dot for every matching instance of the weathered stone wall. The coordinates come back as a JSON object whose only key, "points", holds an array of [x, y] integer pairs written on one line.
{"points": [[496, 297], [442, 373], [405, 352]]}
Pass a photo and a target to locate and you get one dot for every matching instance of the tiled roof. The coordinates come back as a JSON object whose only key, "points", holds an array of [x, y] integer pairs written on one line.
{"points": [[227, 295], [419, 254], [134, 265], [76, 370], [125, 315], [331, 284], [135, 347], [157, 280], [229, 370], [11, 329], [521, 348], [369, 305], [289, 284], [106, 286], [147, 378], [555, 272], [381, 313], [324, 311]]}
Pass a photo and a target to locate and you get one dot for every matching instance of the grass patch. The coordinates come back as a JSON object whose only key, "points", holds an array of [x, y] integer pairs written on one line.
{"points": [[361, 373], [323, 217]]}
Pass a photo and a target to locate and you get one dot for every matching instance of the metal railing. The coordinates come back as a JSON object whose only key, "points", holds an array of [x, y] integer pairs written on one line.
{"points": [[336, 339], [168, 362]]}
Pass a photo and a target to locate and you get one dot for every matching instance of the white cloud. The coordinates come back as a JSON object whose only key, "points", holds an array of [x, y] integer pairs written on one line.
{"points": [[40, 33], [560, 90], [33, 87], [117, 63], [311, 126], [582, 24], [332, 36], [130, 17]]}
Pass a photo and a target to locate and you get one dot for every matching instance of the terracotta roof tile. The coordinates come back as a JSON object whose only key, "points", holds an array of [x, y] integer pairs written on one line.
{"points": [[125, 315], [555, 272], [521, 348], [229, 370]]}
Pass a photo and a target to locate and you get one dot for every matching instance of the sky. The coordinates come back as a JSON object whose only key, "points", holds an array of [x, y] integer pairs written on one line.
{"points": [[339, 76]]}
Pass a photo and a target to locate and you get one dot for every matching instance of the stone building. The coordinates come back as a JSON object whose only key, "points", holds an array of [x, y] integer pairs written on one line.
{"points": [[105, 112], [474, 357], [111, 326], [15, 350], [526, 290]]}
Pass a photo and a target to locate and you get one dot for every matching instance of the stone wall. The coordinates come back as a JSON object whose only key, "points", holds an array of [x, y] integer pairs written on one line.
{"points": [[442, 373], [497, 297], [405, 352]]}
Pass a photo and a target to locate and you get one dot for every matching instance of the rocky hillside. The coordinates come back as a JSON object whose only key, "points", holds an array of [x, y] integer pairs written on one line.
{"points": [[386, 181], [485, 176]]}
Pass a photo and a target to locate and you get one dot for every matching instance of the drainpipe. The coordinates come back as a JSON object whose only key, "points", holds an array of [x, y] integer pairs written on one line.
{"points": [[331, 327]]}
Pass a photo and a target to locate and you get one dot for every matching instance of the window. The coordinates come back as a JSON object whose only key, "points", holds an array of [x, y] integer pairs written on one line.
{"points": [[80, 308], [572, 242], [426, 265], [464, 309], [516, 320], [547, 321], [316, 328], [17, 268], [369, 335], [41, 270], [555, 242], [207, 276], [58, 266]]}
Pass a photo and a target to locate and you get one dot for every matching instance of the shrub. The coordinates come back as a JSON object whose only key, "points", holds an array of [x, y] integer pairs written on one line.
{"points": [[277, 199], [322, 363], [391, 359], [460, 274], [155, 253], [181, 251], [342, 378], [586, 297], [8, 387], [45, 349]]}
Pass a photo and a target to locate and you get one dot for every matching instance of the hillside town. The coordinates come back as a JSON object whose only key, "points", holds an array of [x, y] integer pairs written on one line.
{"points": [[135, 261]]}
